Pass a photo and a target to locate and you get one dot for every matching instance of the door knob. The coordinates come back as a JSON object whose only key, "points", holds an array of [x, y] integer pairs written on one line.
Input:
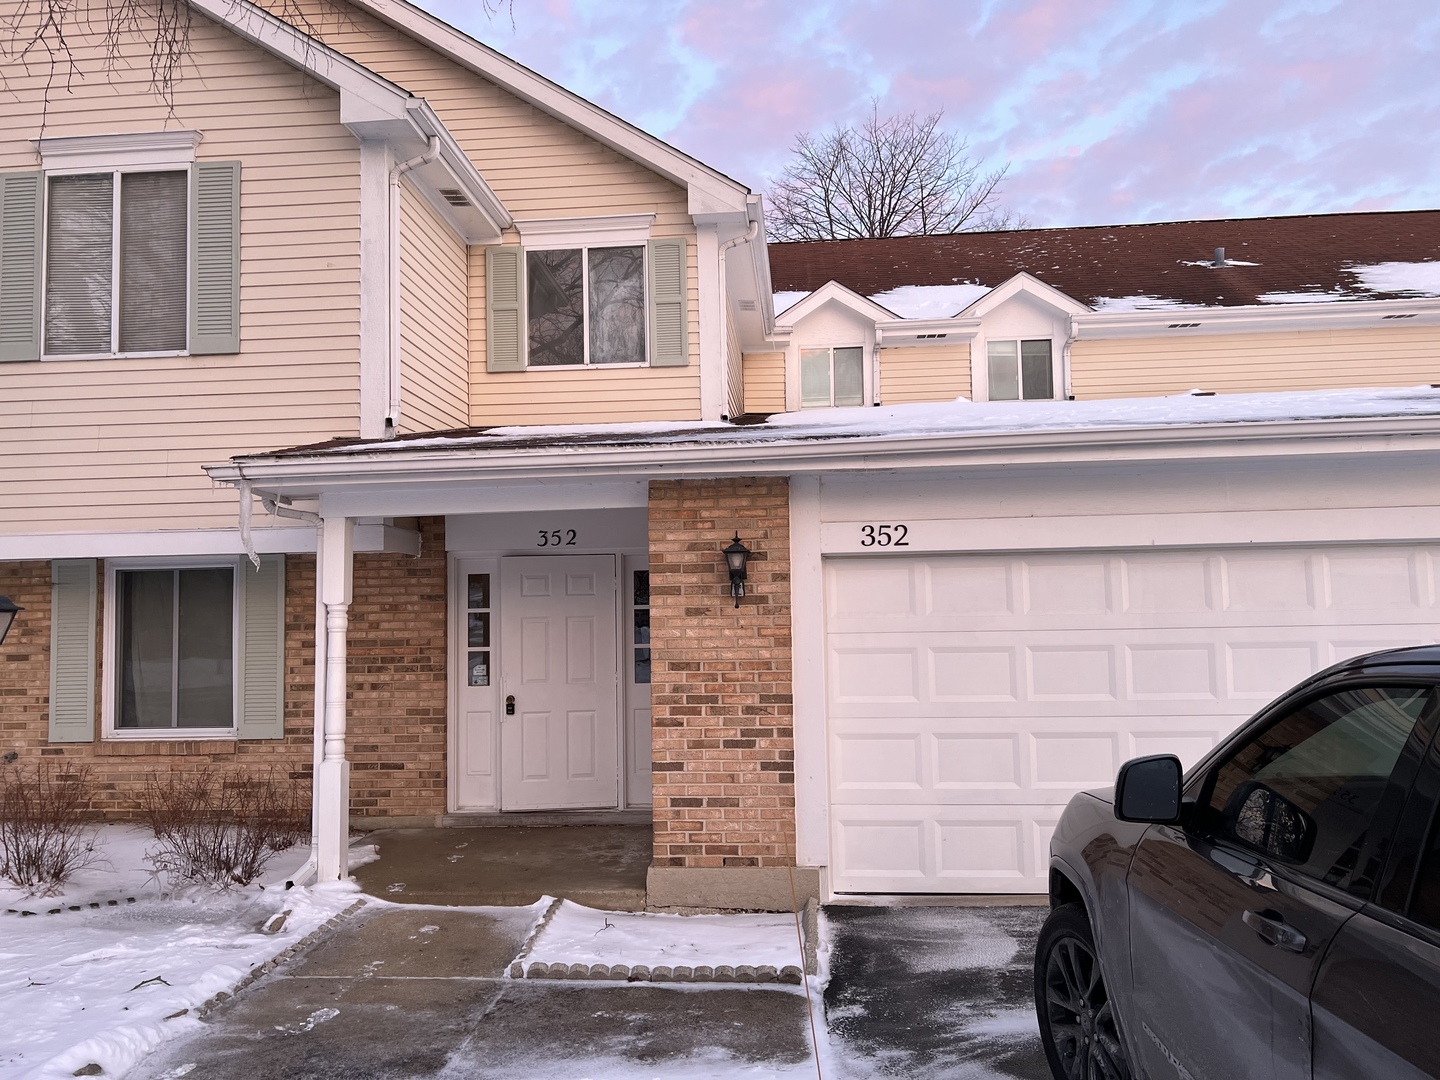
{"points": [[510, 705], [1274, 929]]}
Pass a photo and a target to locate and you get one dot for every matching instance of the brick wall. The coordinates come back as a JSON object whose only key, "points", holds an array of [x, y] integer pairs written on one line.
{"points": [[396, 699], [723, 752]]}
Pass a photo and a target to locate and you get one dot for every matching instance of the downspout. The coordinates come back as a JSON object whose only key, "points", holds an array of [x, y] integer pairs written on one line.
{"points": [[751, 231], [392, 406], [1066, 388]]}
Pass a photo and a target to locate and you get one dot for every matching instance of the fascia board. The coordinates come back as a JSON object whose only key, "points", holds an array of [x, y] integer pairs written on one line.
{"points": [[1031, 286], [833, 291], [1225, 442], [710, 191], [1335, 315], [467, 179], [954, 329]]}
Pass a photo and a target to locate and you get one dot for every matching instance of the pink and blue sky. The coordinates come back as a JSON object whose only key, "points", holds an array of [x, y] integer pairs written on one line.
{"points": [[1108, 110]]}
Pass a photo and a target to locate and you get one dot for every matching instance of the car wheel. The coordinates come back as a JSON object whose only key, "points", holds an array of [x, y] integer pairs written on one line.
{"points": [[1078, 1026]]}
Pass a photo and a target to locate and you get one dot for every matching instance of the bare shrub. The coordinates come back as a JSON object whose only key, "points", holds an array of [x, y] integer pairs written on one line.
{"points": [[222, 827], [44, 837]]}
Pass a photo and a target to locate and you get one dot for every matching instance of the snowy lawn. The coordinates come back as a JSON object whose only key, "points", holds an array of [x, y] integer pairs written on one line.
{"points": [[581, 935], [98, 984]]}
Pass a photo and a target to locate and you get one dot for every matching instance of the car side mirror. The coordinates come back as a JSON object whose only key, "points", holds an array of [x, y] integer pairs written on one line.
{"points": [[1147, 790]]}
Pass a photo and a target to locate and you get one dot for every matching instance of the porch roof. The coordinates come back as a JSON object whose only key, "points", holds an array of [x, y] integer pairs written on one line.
{"points": [[902, 436]]}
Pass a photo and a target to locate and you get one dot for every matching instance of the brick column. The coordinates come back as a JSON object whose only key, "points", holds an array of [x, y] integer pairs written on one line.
{"points": [[723, 746]]}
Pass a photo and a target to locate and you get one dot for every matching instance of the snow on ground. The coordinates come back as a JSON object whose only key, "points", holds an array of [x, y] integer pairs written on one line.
{"points": [[96, 985], [581, 935], [930, 301]]}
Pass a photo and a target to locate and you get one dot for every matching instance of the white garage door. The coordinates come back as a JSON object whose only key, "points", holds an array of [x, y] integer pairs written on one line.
{"points": [[969, 697]]}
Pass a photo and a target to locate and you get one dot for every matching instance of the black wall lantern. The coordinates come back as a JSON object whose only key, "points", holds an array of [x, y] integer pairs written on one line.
{"points": [[8, 610], [736, 555]]}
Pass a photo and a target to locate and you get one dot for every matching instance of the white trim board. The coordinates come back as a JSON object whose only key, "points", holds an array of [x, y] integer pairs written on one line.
{"points": [[187, 543]]}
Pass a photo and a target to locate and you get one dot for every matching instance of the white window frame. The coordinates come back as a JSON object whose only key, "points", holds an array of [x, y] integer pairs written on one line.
{"points": [[584, 247], [115, 172], [110, 664], [1056, 363], [866, 396]]}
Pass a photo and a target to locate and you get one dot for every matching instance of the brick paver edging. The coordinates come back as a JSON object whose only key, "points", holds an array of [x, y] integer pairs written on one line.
{"points": [[275, 961], [722, 973]]}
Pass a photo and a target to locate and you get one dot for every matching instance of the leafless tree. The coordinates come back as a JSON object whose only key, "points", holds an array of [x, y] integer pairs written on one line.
{"points": [[897, 175]]}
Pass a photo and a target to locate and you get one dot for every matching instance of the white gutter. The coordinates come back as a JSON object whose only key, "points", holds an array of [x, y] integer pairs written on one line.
{"points": [[392, 367], [715, 458], [1334, 314]]}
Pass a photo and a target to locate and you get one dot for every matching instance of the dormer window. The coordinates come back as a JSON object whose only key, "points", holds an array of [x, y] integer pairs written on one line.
{"points": [[586, 306], [832, 377], [1021, 370]]}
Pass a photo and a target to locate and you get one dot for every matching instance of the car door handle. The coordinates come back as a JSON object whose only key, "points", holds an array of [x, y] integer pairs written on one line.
{"points": [[1274, 929]]}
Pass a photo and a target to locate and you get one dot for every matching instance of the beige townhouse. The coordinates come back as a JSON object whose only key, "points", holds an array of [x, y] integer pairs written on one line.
{"points": [[531, 372]]}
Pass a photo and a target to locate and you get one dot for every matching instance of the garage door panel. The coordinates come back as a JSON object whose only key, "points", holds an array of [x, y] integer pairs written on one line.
{"points": [[969, 697]]}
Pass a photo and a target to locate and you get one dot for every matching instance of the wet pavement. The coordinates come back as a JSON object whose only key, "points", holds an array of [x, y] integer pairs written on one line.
{"points": [[936, 992], [402, 993]]}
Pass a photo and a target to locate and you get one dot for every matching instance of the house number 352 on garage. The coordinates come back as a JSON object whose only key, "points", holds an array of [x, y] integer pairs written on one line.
{"points": [[884, 535]]}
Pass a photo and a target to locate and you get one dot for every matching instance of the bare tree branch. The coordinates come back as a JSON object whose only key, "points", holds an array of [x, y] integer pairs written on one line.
{"points": [[892, 176]]}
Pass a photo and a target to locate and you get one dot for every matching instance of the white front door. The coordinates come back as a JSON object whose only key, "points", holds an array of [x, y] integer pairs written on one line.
{"points": [[559, 683]]}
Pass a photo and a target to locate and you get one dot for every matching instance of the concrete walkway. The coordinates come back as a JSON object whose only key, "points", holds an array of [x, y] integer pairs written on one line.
{"points": [[600, 866], [410, 993]]}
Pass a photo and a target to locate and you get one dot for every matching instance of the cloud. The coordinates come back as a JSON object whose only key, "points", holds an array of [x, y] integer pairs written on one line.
{"points": [[1107, 110]]}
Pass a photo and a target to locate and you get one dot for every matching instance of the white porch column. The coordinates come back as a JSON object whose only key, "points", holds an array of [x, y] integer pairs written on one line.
{"points": [[332, 774]]}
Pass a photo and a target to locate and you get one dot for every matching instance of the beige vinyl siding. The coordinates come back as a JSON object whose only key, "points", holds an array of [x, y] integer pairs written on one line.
{"points": [[593, 395], [540, 167], [734, 369], [434, 336], [765, 382], [119, 444], [924, 373], [1255, 363]]}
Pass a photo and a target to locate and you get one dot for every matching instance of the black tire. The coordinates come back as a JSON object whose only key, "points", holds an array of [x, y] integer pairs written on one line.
{"points": [[1078, 1027]]}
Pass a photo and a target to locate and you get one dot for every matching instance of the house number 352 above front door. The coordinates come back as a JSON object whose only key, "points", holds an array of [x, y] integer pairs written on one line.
{"points": [[556, 538]]}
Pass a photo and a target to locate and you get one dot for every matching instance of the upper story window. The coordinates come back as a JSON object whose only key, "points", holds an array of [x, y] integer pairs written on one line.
{"points": [[116, 263], [833, 376], [120, 245], [587, 292], [586, 306], [1021, 370]]}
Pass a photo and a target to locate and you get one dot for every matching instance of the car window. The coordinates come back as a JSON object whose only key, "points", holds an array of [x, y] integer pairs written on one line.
{"points": [[1305, 790]]}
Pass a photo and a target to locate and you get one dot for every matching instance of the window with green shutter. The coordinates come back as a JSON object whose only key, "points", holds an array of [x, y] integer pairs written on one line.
{"points": [[120, 262]]}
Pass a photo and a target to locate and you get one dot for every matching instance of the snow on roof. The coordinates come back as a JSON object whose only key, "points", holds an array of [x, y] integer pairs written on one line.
{"points": [[786, 300], [1422, 278], [959, 418], [1138, 303], [930, 301]]}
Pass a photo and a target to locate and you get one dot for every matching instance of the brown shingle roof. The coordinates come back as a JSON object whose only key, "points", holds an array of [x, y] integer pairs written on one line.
{"points": [[1305, 254]]}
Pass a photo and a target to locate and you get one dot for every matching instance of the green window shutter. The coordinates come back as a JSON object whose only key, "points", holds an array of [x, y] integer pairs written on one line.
{"points": [[262, 659], [215, 257], [504, 310], [72, 650], [21, 207], [669, 332]]}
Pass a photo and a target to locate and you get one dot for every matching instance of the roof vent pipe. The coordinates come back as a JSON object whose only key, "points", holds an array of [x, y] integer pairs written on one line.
{"points": [[1219, 257]]}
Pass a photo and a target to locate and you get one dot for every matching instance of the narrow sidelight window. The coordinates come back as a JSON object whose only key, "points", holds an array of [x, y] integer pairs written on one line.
{"points": [[586, 306], [116, 254], [175, 643], [1021, 370]]}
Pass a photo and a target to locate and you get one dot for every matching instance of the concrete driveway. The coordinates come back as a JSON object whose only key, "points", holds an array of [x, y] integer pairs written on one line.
{"points": [[401, 993]]}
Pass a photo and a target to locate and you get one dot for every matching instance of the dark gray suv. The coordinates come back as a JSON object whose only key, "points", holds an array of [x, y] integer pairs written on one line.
{"points": [[1274, 913]]}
